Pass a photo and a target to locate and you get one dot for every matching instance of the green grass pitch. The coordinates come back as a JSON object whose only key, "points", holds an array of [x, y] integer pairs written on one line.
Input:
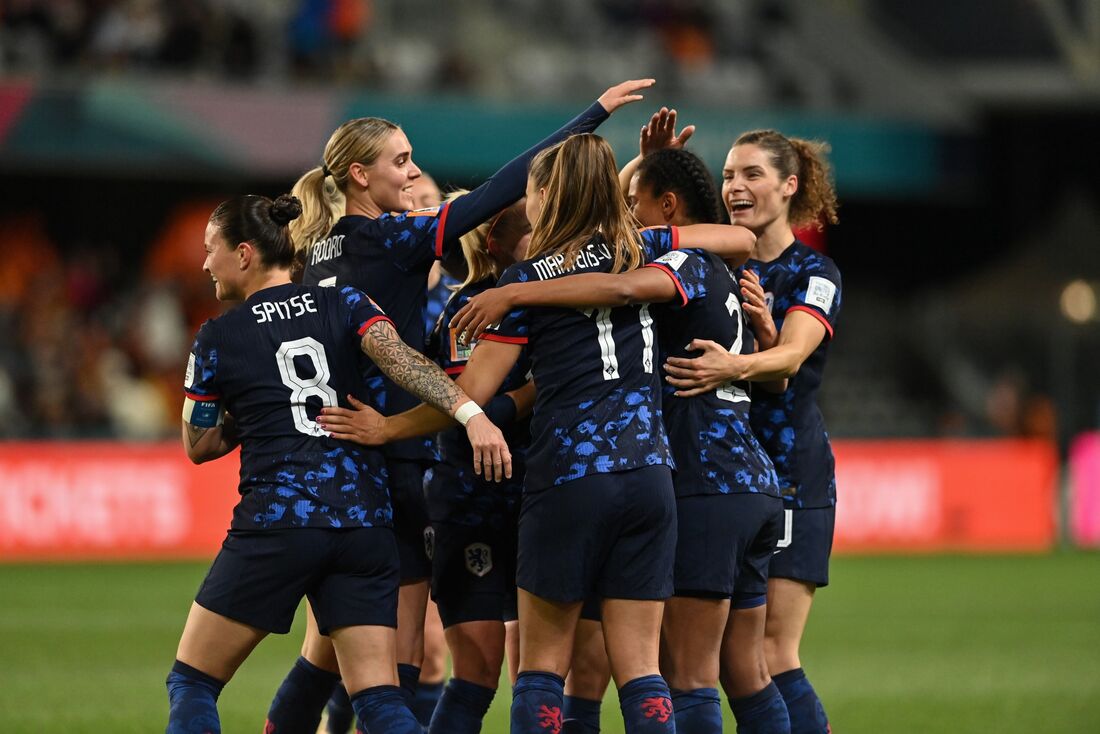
{"points": [[930, 644]]}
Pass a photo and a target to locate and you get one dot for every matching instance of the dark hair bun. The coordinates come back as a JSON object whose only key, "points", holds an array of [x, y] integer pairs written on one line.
{"points": [[285, 209]]}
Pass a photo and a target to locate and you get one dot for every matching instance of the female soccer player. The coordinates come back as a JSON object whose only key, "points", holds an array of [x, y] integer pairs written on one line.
{"points": [[728, 506], [352, 237], [314, 517], [769, 184], [475, 522], [597, 516]]}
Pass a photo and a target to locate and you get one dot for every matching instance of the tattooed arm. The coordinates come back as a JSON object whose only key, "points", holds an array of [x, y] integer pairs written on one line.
{"points": [[207, 444], [412, 371]]}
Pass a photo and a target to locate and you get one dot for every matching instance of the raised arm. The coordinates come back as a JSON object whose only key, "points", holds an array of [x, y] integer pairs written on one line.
{"points": [[643, 285], [507, 185], [659, 132]]}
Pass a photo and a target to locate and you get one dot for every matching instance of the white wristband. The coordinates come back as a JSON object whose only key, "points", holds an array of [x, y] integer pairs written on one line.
{"points": [[466, 411]]}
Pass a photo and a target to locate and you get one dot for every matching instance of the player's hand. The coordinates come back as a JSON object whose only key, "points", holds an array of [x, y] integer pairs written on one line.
{"points": [[492, 459], [623, 94], [364, 425], [660, 132], [709, 371], [756, 308], [481, 312]]}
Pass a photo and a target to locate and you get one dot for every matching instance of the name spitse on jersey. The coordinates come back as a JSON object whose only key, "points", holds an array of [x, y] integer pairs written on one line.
{"points": [[273, 362], [598, 406], [790, 425], [710, 435]]}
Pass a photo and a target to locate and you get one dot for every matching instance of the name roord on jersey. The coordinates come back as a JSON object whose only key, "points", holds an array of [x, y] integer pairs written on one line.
{"points": [[327, 249]]}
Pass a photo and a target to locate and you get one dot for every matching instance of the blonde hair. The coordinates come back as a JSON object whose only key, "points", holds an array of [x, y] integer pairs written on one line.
{"points": [[321, 189], [480, 263], [815, 200], [582, 198]]}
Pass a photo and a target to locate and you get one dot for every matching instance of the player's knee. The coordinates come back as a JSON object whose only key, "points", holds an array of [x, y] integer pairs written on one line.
{"points": [[744, 675], [320, 653], [780, 654]]}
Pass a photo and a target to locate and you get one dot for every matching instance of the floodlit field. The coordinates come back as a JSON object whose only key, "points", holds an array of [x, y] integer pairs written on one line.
{"points": [[936, 644]]}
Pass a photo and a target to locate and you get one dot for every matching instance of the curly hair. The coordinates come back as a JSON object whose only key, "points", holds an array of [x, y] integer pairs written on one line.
{"points": [[815, 200]]}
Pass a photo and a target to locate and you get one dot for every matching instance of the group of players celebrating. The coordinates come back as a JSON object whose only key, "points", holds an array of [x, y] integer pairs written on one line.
{"points": [[630, 476]]}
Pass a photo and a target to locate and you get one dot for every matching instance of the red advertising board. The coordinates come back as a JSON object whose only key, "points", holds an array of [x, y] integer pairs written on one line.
{"points": [[995, 495], [62, 501], [111, 500]]}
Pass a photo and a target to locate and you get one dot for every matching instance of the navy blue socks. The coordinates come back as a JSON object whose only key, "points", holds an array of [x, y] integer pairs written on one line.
{"points": [[340, 714], [192, 701], [297, 706], [383, 709], [582, 716], [408, 677], [647, 706], [698, 711], [761, 713], [461, 708], [425, 701], [536, 703], [805, 709]]}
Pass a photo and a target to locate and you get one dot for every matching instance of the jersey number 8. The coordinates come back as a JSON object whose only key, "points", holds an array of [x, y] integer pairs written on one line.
{"points": [[302, 388]]}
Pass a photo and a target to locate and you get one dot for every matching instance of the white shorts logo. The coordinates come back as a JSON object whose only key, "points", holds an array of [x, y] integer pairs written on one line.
{"points": [[820, 292], [479, 559], [785, 541]]}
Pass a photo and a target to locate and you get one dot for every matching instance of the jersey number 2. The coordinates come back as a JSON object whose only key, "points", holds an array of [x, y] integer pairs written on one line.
{"points": [[302, 388], [732, 392]]}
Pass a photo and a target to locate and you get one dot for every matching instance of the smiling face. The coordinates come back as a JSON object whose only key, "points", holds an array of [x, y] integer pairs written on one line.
{"points": [[389, 180], [754, 193], [222, 264]]}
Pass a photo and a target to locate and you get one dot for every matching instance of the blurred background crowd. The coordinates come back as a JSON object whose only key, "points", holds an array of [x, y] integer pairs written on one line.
{"points": [[970, 300]]}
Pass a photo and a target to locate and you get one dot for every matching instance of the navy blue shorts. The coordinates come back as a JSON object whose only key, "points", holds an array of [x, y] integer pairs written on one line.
{"points": [[805, 545], [473, 573], [410, 518], [724, 544], [259, 577], [592, 609], [609, 535]]}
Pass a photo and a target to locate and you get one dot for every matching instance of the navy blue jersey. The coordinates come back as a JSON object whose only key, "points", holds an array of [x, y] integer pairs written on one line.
{"points": [[272, 363], [437, 301], [389, 258], [790, 425], [471, 498], [598, 408], [713, 445]]}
